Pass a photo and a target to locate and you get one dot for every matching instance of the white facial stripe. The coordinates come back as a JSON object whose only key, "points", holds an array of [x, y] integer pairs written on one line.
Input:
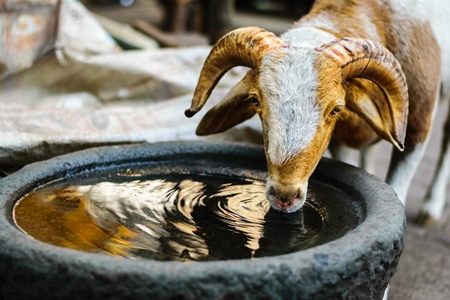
{"points": [[306, 36], [289, 83], [305, 32]]}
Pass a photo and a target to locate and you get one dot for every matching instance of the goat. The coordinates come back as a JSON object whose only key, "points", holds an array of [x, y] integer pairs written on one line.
{"points": [[350, 72]]}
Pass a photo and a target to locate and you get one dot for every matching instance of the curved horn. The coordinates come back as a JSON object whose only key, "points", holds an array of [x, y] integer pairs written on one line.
{"points": [[361, 58], [241, 47]]}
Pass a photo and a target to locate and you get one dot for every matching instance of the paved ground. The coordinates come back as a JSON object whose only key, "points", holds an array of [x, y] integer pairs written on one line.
{"points": [[424, 269]]}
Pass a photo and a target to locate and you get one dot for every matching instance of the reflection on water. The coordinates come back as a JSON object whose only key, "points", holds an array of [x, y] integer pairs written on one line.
{"points": [[177, 217]]}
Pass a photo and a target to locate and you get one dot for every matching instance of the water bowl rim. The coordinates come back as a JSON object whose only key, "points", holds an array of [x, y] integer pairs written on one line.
{"points": [[384, 222]]}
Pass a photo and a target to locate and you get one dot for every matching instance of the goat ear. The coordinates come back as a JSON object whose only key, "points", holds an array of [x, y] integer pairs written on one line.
{"points": [[230, 111], [367, 100]]}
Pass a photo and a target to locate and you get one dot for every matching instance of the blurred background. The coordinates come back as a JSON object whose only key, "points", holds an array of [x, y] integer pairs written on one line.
{"points": [[79, 74], [184, 20]]}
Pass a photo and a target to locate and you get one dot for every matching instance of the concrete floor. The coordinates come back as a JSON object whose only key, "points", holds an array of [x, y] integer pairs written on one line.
{"points": [[424, 269]]}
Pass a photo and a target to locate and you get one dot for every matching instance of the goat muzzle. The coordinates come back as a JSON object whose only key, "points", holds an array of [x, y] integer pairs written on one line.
{"points": [[286, 198]]}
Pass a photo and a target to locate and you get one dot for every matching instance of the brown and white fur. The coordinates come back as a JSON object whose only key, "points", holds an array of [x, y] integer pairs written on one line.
{"points": [[297, 87]]}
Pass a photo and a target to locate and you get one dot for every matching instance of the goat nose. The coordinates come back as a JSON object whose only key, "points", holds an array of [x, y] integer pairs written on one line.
{"points": [[286, 200], [284, 197]]}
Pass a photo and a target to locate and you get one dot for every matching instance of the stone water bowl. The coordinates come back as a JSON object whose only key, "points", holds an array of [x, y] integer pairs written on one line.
{"points": [[344, 243]]}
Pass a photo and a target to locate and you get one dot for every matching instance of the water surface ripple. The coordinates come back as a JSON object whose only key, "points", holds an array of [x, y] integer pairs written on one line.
{"points": [[174, 217]]}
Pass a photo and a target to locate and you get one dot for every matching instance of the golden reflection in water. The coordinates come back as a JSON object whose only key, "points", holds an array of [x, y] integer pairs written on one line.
{"points": [[59, 217], [151, 209], [247, 206], [175, 218]]}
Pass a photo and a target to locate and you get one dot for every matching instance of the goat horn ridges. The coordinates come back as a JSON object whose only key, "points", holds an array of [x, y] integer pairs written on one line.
{"points": [[360, 58], [241, 47]]}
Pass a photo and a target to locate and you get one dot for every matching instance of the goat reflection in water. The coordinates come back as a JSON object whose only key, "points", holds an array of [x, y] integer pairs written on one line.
{"points": [[180, 217]]}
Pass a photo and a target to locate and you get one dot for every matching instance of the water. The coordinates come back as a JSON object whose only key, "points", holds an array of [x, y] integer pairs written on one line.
{"points": [[170, 217]]}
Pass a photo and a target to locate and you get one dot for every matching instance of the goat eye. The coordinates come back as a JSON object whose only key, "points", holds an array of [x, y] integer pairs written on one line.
{"points": [[335, 111], [254, 101]]}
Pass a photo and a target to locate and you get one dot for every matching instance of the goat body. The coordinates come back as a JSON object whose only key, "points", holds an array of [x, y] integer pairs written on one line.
{"points": [[340, 75]]}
